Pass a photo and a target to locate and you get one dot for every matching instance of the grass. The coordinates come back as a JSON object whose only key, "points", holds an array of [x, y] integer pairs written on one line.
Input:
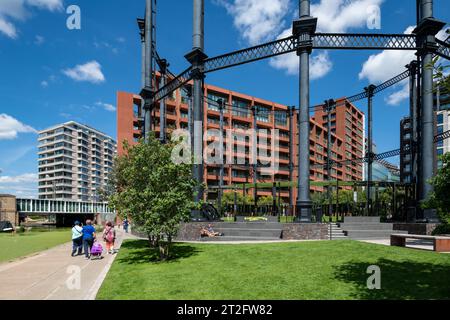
{"points": [[306, 270], [23, 244]]}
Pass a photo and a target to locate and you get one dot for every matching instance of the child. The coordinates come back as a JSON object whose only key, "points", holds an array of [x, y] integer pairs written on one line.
{"points": [[109, 236]]}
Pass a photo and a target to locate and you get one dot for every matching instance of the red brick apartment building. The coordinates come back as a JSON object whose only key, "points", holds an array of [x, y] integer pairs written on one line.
{"points": [[347, 134]]}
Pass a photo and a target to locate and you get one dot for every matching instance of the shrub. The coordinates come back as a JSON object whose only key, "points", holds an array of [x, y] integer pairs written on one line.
{"points": [[441, 229]]}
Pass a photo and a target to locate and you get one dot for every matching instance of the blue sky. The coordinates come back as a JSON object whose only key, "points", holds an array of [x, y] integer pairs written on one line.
{"points": [[40, 84]]}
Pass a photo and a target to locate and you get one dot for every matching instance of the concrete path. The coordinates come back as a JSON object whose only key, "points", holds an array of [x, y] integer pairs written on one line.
{"points": [[55, 275]]}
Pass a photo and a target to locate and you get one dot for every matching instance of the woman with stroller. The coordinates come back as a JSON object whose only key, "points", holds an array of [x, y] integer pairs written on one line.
{"points": [[109, 236], [88, 238]]}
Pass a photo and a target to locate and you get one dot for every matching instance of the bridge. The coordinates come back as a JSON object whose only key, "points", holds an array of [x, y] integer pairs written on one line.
{"points": [[64, 213]]}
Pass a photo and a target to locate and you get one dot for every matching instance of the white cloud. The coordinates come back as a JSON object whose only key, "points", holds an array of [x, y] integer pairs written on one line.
{"points": [[10, 127], [44, 84], [257, 20], [19, 10], [27, 177], [320, 63], [8, 28], [38, 40], [385, 65], [25, 185], [90, 72], [396, 98], [52, 5], [341, 15], [106, 106]]}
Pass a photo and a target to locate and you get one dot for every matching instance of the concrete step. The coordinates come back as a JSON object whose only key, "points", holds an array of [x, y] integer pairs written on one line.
{"points": [[240, 232], [225, 238], [247, 225], [339, 238], [372, 234], [361, 219], [367, 226]]}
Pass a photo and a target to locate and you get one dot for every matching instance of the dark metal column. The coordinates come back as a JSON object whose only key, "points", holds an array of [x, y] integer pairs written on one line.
{"points": [[196, 58], [148, 90], [274, 198], [141, 24], [426, 31], [221, 173], [162, 102], [303, 29], [369, 155], [291, 156], [329, 106], [412, 212], [254, 153], [413, 117]]}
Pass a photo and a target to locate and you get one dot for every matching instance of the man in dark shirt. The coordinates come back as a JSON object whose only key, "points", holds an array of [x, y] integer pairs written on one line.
{"points": [[88, 238]]}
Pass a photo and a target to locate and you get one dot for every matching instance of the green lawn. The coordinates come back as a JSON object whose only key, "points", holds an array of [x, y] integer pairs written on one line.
{"points": [[22, 244], [307, 270]]}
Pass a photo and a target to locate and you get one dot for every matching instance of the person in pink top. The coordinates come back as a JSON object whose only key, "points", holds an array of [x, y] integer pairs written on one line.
{"points": [[109, 236]]}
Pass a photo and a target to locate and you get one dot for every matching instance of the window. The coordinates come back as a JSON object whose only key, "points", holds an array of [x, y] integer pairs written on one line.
{"points": [[440, 118], [240, 108], [213, 101], [184, 97], [263, 113], [280, 117]]}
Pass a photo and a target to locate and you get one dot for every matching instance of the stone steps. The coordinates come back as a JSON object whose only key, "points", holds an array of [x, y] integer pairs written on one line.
{"points": [[367, 226], [363, 228], [248, 225], [372, 234], [240, 238], [336, 232], [253, 232], [247, 231]]}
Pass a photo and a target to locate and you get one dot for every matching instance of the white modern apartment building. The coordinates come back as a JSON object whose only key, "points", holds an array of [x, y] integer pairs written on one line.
{"points": [[442, 121], [74, 162]]}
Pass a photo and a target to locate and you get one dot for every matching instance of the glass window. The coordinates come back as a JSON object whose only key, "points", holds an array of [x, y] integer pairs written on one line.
{"points": [[263, 114], [213, 101], [241, 108], [280, 117]]}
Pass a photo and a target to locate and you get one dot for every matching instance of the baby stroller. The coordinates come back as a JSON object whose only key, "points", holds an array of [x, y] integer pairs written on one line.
{"points": [[96, 251]]}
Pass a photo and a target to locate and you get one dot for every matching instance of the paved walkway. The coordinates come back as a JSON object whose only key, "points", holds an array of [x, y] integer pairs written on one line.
{"points": [[55, 275]]}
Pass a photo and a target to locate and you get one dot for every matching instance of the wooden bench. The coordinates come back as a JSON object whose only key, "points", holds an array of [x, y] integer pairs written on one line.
{"points": [[440, 244]]}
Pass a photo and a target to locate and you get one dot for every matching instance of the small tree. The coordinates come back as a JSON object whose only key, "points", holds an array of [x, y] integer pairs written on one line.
{"points": [[153, 191], [440, 197]]}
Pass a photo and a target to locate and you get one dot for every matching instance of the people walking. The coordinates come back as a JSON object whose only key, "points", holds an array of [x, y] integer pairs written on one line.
{"points": [[109, 236], [77, 239], [88, 238], [125, 225]]}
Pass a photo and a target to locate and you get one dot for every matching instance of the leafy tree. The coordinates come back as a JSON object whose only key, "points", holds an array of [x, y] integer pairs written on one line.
{"points": [[440, 197], [153, 191], [228, 198]]}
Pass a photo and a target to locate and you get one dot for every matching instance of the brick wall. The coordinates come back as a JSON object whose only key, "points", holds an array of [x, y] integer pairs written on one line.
{"points": [[416, 228], [306, 231]]}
